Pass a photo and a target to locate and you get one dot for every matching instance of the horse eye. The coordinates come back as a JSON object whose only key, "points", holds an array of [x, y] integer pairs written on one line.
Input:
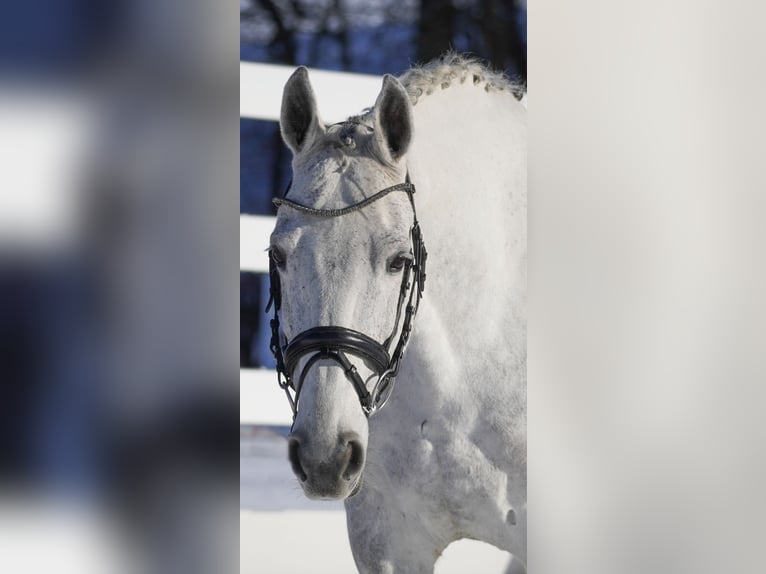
{"points": [[277, 256], [399, 262]]}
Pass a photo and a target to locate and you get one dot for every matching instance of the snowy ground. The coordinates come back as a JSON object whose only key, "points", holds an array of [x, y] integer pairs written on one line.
{"points": [[282, 532]]}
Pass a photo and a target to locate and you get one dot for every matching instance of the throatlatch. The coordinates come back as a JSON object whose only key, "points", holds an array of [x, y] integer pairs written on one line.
{"points": [[334, 342]]}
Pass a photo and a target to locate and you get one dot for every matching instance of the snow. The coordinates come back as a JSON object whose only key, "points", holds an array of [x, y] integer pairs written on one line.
{"points": [[282, 532]]}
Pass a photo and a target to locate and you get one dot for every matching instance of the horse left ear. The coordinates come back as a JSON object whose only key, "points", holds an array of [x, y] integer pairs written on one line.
{"points": [[393, 119], [299, 119]]}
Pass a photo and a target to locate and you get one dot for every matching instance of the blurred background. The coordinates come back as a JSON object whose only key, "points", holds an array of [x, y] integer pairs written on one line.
{"points": [[118, 248]]}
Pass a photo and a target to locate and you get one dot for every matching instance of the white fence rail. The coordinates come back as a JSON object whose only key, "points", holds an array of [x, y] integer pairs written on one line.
{"points": [[254, 231], [338, 94], [261, 401]]}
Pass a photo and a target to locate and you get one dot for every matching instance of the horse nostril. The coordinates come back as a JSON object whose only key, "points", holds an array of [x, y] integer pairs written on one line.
{"points": [[355, 457], [293, 446]]}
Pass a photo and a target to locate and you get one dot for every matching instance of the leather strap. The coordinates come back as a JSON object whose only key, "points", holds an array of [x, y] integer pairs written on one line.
{"points": [[325, 339]]}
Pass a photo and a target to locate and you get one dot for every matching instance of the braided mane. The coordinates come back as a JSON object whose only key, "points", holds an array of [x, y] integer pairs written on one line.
{"points": [[423, 80]]}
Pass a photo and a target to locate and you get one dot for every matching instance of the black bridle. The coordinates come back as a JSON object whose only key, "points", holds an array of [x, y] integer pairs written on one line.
{"points": [[333, 342]]}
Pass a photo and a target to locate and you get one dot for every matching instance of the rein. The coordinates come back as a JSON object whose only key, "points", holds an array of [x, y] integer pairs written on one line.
{"points": [[334, 342]]}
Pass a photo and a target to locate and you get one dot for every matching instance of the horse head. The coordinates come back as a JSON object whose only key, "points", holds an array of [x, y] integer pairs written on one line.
{"points": [[343, 266]]}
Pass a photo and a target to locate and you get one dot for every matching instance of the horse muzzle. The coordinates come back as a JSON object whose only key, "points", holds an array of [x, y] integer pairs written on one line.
{"points": [[329, 475]]}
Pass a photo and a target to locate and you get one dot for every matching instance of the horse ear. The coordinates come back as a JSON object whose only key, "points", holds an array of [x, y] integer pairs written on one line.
{"points": [[299, 120], [393, 118]]}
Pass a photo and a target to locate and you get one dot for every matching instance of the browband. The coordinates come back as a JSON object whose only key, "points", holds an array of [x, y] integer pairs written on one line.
{"points": [[405, 186]]}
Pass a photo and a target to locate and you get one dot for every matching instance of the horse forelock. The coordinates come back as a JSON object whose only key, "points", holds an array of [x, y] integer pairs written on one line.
{"points": [[349, 135], [350, 138]]}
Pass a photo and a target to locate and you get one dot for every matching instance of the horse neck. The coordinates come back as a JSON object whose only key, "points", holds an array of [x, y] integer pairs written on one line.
{"points": [[474, 137], [468, 162], [469, 150]]}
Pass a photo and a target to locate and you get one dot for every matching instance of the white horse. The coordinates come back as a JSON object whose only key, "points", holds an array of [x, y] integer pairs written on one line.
{"points": [[446, 458]]}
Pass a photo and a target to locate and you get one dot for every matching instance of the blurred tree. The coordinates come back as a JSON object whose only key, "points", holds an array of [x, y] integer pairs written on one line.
{"points": [[383, 35], [489, 29], [436, 28], [504, 44]]}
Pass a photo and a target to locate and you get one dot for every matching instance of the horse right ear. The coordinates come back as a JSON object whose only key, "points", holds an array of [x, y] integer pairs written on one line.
{"points": [[299, 120], [393, 119]]}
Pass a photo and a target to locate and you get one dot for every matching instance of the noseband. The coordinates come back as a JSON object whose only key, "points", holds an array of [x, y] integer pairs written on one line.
{"points": [[336, 343]]}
